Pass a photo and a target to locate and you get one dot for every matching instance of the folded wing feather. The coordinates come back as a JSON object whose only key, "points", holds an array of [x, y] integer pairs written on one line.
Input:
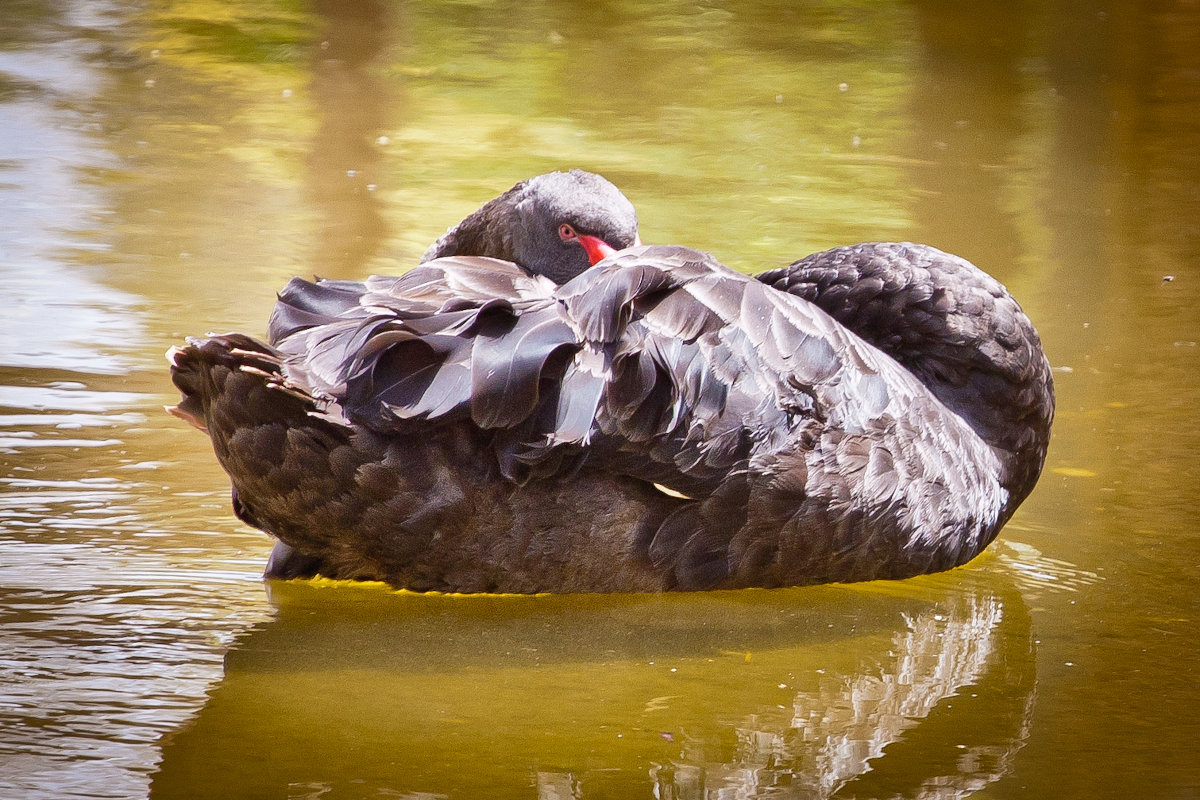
{"points": [[662, 359]]}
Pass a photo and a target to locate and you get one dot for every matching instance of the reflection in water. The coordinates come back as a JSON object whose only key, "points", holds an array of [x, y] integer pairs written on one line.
{"points": [[345, 160], [106, 640], [936, 656], [54, 317], [796, 693], [971, 82]]}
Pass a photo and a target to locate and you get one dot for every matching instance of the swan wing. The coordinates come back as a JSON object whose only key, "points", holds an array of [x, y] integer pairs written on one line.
{"points": [[659, 363]]}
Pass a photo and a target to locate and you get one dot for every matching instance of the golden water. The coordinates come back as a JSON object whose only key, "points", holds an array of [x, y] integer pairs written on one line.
{"points": [[165, 167]]}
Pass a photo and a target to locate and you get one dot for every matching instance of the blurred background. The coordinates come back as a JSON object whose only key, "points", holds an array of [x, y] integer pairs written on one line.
{"points": [[166, 166]]}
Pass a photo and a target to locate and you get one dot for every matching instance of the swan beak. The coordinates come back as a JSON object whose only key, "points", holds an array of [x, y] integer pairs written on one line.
{"points": [[597, 249]]}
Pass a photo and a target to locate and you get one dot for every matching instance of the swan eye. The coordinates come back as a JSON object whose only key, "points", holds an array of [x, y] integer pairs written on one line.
{"points": [[567, 233]]}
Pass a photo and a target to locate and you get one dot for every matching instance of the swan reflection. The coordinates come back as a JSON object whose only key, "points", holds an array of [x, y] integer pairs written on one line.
{"points": [[884, 689], [835, 732]]}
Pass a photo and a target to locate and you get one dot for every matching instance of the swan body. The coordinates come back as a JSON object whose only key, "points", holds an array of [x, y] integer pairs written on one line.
{"points": [[656, 422]]}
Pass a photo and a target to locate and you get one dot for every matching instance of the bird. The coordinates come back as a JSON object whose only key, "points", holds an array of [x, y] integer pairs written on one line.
{"points": [[544, 404]]}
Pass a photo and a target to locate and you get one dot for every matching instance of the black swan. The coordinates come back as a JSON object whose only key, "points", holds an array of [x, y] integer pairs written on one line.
{"points": [[656, 422]]}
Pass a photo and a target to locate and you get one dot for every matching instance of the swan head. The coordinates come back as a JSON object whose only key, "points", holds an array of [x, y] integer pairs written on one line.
{"points": [[556, 225]]}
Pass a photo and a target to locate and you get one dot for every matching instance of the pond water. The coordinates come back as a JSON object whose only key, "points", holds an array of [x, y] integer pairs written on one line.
{"points": [[165, 167]]}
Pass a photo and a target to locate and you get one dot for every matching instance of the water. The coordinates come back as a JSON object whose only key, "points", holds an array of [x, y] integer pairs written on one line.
{"points": [[165, 168]]}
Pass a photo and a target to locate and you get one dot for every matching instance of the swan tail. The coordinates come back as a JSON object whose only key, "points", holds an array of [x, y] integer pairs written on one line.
{"points": [[232, 381], [286, 452], [343, 502]]}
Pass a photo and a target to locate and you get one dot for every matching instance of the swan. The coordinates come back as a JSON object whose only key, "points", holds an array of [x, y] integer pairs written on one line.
{"points": [[618, 417]]}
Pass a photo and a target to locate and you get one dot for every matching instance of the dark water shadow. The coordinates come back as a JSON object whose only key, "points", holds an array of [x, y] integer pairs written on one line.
{"points": [[879, 690]]}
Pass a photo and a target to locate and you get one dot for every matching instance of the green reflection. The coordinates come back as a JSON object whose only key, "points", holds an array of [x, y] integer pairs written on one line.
{"points": [[819, 692]]}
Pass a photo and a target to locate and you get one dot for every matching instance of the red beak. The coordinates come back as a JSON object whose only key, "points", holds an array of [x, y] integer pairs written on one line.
{"points": [[597, 249]]}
